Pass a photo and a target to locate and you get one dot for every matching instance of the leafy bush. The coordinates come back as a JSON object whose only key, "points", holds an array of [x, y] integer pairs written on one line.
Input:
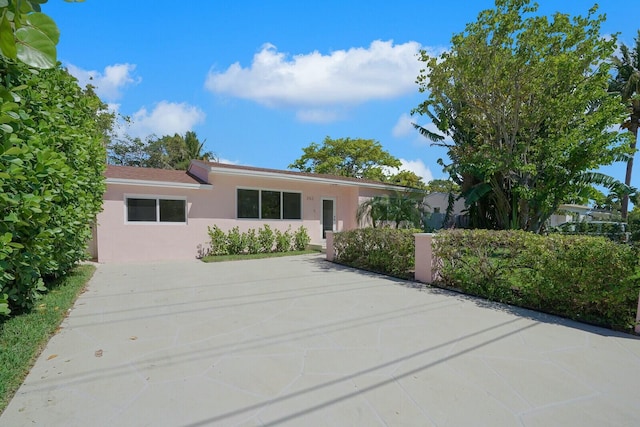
{"points": [[251, 241], [591, 279], [385, 250], [266, 238], [217, 241], [283, 240], [301, 239], [236, 241], [51, 177]]}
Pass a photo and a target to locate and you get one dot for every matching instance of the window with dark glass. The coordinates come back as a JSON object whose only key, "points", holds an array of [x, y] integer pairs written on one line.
{"points": [[156, 210], [248, 203], [269, 204], [172, 210], [141, 210], [291, 206]]}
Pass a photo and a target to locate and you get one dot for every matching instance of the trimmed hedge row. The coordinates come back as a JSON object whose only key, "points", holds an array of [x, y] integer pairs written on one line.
{"points": [[384, 250], [590, 279]]}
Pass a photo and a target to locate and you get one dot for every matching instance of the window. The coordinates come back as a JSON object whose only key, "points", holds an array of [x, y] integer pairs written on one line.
{"points": [[269, 204], [248, 201], [436, 210], [156, 210]]}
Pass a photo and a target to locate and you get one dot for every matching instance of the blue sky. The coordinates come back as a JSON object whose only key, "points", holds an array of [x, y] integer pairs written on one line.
{"points": [[260, 80]]}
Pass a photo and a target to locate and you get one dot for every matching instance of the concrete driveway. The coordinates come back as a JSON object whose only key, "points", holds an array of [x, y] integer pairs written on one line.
{"points": [[303, 342]]}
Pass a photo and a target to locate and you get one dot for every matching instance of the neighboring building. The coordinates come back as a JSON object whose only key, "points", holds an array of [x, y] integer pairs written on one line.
{"points": [[156, 214], [436, 205], [577, 213]]}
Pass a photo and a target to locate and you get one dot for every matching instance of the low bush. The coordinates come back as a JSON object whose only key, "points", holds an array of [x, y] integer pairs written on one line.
{"points": [[591, 279], [301, 239], [283, 240], [236, 241], [252, 242], [384, 250], [217, 241], [266, 238]]}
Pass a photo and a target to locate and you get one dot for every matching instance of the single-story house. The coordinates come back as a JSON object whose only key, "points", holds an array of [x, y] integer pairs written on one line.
{"points": [[156, 214]]}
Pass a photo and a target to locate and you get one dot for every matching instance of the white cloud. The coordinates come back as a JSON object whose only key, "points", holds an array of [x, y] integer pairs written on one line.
{"points": [[228, 162], [403, 127], [166, 118], [315, 81], [416, 166], [108, 83]]}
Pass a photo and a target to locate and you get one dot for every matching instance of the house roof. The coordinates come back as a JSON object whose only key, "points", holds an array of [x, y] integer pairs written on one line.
{"points": [[295, 175], [149, 176]]}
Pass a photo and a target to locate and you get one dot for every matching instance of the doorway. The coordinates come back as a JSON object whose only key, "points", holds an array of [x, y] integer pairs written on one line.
{"points": [[328, 216]]}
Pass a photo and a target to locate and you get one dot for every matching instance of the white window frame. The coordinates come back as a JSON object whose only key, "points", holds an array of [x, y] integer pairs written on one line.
{"points": [[157, 198], [260, 190]]}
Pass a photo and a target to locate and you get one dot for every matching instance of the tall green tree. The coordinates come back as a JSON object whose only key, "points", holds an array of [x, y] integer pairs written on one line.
{"points": [[627, 83], [524, 99], [357, 158], [168, 152]]}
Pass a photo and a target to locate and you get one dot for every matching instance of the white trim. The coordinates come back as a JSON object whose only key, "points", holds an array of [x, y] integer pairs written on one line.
{"points": [[260, 190], [161, 184], [290, 177], [157, 198]]}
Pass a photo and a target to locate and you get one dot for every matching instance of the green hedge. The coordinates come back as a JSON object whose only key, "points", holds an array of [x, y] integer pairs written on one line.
{"points": [[590, 279], [52, 160], [384, 250]]}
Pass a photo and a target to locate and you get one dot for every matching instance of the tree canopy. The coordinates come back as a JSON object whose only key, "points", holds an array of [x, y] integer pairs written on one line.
{"points": [[627, 83], [356, 158], [168, 152], [524, 99]]}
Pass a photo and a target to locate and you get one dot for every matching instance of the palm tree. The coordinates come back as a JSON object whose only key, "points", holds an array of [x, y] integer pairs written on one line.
{"points": [[627, 83], [401, 209]]}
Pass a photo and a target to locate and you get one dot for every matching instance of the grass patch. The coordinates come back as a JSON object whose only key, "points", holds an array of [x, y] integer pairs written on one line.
{"points": [[220, 258], [23, 337]]}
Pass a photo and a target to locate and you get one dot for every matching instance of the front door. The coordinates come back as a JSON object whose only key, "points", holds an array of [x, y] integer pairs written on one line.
{"points": [[328, 216]]}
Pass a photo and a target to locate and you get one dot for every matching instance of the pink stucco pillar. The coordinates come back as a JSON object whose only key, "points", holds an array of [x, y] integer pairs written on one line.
{"points": [[424, 257], [329, 242]]}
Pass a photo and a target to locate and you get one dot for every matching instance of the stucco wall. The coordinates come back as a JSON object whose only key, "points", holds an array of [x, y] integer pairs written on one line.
{"points": [[118, 241]]}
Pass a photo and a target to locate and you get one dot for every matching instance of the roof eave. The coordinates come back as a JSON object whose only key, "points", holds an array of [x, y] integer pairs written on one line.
{"points": [[305, 178], [161, 184]]}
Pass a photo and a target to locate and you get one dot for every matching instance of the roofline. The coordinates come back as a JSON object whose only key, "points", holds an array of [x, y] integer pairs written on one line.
{"points": [[161, 184], [292, 176]]}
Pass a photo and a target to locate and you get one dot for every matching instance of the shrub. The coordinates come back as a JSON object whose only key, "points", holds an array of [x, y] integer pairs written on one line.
{"points": [[266, 238], [51, 177], [217, 241], [385, 250], [251, 241], [236, 241], [301, 239], [283, 240], [591, 279]]}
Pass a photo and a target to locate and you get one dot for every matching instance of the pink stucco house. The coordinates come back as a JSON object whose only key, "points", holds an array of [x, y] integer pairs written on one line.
{"points": [[156, 214]]}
